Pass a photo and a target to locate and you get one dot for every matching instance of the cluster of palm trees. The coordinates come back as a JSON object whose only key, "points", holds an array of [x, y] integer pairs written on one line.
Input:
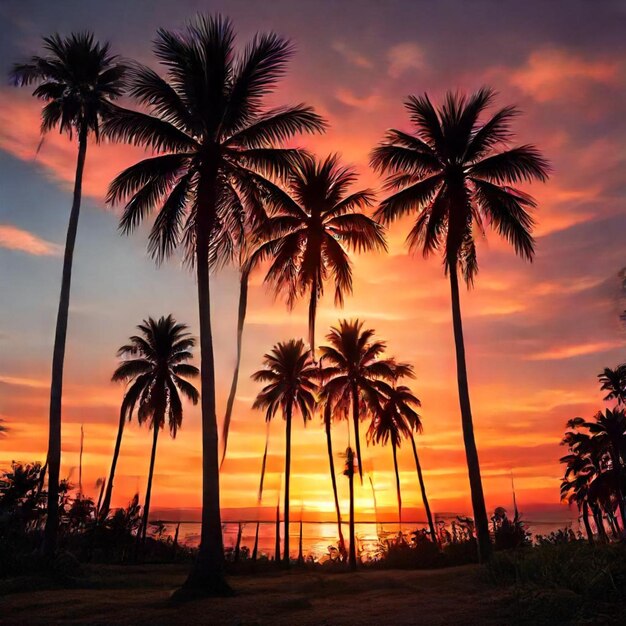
{"points": [[224, 189], [595, 466]]}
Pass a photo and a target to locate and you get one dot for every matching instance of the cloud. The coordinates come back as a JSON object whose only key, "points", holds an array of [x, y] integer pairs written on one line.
{"points": [[370, 102], [553, 74], [568, 352], [351, 55], [14, 238], [403, 57]]}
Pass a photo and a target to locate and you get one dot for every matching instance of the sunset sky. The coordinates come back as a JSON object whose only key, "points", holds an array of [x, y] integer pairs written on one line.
{"points": [[536, 335]]}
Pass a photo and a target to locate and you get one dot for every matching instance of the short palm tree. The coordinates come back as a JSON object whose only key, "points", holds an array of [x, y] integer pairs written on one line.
{"points": [[216, 145], [457, 173], [155, 369], [314, 226], [77, 78], [613, 380], [290, 375], [352, 367]]}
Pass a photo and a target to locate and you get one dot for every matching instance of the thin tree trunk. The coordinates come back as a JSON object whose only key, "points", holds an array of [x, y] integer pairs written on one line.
{"points": [[398, 492], [238, 543], [300, 552], [597, 517], [106, 504], [207, 574], [355, 419], [146, 504], [256, 542], [263, 464], [333, 478], [312, 316], [617, 468], [277, 536], [585, 513], [80, 461], [102, 486], [243, 304], [420, 477], [58, 358], [352, 554], [471, 453], [287, 477]]}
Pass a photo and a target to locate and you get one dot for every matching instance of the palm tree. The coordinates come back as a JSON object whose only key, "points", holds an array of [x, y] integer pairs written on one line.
{"points": [[354, 369], [456, 172], [389, 424], [614, 381], [156, 369], [290, 374], [313, 227], [349, 472], [217, 145], [77, 78]]}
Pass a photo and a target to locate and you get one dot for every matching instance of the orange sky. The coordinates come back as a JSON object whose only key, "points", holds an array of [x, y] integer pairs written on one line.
{"points": [[536, 335]]}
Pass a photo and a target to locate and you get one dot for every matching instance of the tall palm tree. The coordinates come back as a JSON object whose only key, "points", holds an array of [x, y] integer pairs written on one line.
{"points": [[354, 368], [290, 374], [314, 226], [156, 367], [77, 78], [457, 172], [216, 145], [349, 472]]}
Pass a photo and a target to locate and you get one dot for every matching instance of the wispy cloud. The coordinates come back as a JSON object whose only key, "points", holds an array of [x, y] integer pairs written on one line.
{"points": [[403, 57], [351, 55], [15, 238], [571, 351]]}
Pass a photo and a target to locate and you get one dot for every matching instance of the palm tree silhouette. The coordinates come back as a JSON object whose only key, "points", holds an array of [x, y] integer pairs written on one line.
{"points": [[312, 228], [353, 371], [349, 472], [218, 146], [614, 381], [290, 374], [77, 79], [156, 369], [457, 172]]}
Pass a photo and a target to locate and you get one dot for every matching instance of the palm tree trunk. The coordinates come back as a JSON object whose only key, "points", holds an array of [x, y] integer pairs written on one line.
{"points": [[333, 478], [471, 453], [597, 517], [585, 514], [312, 316], [355, 419], [207, 574], [287, 477], [352, 554], [617, 465], [263, 465], [277, 536], [300, 551], [243, 304], [420, 477], [106, 504], [256, 542], [146, 504], [398, 492], [58, 358]]}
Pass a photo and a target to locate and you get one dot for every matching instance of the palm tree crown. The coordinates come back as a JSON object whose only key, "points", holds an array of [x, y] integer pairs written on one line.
{"points": [[458, 173], [313, 228], [206, 113], [156, 369], [77, 79], [396, 417]]}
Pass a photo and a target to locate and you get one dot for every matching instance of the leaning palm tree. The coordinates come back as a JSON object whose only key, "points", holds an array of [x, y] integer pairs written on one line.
{"points": [[290, 375], [457, 172], [130, 371], [352, 368], [217, 147], [155, 369], [77, 78], [314, 226]]}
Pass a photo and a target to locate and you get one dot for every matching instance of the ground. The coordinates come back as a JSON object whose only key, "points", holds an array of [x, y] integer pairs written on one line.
{"points": [[140, 595]]}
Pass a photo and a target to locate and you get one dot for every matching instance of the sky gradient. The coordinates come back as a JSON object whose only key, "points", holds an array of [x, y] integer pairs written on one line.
{"points": [[536, 335]]}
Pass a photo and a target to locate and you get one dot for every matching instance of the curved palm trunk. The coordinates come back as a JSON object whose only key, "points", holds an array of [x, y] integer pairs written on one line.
{"points": [[471, 453], [263, 465], [420, 477], [287, 477], [207, 574], [255, 550], [352, 553], [585, 514], [355, 419], [597, 518], [277, 535], [106, 503], [398, 492], [146, 505], [58, 358], [617, 469], [243, 305], [333, 478]]}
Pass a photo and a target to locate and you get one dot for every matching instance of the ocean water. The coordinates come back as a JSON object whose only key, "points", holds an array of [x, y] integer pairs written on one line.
{"points": [[319, 537]]}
